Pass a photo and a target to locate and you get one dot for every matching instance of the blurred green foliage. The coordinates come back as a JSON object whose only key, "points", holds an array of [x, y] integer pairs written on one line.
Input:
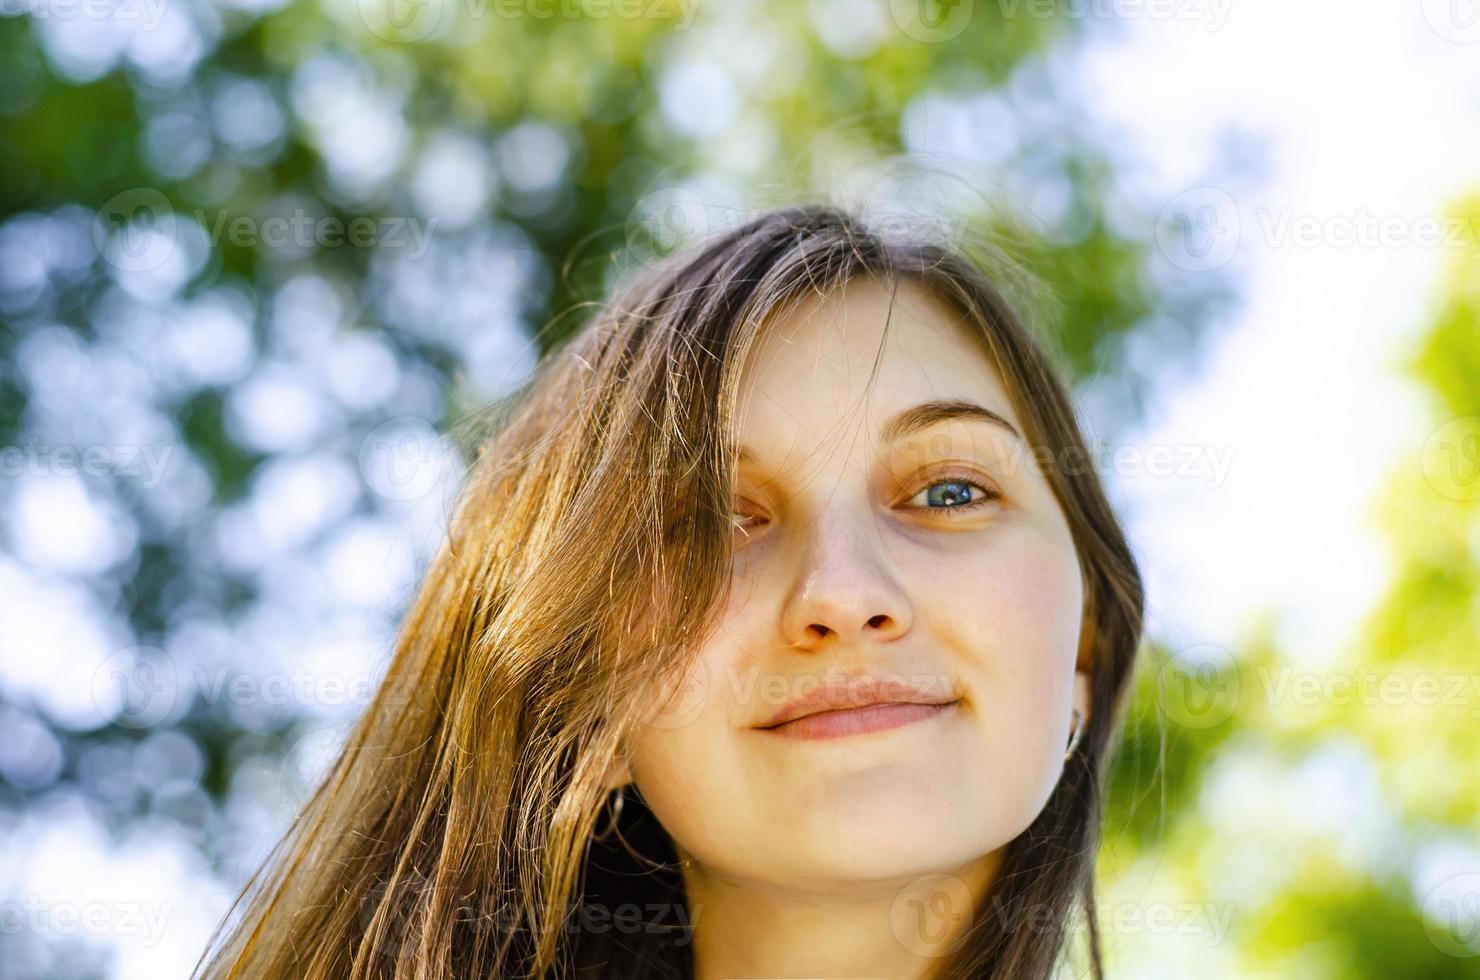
{"points": [[1239, 773]]}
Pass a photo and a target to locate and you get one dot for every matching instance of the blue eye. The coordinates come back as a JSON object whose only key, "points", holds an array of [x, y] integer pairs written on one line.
{"points": [[954, 494]]}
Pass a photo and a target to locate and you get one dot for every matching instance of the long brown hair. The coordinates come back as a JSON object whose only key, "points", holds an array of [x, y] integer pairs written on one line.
{"points": [[456, 835]]}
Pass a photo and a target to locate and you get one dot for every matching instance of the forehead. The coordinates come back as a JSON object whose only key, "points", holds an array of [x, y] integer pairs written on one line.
{"points": [[829, 357]]}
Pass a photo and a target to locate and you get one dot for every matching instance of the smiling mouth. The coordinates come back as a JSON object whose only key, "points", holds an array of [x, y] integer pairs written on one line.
{"points": [[842, 722]]}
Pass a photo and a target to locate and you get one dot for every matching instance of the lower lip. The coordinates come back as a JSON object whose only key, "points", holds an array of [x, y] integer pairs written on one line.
{"points": [[856, 721]]}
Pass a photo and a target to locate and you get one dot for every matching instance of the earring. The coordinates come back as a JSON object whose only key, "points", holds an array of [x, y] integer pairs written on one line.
{"points": [[616, 814], [1074, 736]]}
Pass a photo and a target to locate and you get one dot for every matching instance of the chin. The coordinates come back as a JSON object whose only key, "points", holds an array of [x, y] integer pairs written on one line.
{"points": [[858, 856], [873, 836]]}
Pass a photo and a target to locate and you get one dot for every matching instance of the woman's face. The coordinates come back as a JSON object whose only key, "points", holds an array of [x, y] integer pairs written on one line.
{"points": [[923, 552]]}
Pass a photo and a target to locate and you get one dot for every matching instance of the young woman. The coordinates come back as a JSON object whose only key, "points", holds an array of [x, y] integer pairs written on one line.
{"points": [[782, 630]]}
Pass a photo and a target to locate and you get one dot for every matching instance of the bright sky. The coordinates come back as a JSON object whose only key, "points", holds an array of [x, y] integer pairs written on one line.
{"points": [[1370, 112]]}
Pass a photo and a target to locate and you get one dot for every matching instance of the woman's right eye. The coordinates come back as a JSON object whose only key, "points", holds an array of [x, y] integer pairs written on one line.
{"points": [[746, 522]]}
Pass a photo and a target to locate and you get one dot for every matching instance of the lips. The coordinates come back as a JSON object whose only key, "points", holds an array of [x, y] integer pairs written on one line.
{"points": [[840, 695], [858, 721]]}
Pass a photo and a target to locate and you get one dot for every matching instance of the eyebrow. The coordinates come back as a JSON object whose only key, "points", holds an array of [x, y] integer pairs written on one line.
{"points": [[930, 413]]}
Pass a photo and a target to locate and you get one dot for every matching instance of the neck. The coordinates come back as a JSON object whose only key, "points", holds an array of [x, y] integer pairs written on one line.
{"points": [[900, 928]]}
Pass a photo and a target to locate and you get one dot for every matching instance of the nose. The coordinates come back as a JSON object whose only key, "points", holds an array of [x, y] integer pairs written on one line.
{"points": [[845, 589]]}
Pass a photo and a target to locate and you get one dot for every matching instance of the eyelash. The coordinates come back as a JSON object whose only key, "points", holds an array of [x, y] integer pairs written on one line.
{"points": [[986, 497]]}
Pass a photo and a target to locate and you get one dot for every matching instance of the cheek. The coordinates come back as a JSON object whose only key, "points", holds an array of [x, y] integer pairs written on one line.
{"points": [[1013, 626], [1017, 611], [684, 761]]}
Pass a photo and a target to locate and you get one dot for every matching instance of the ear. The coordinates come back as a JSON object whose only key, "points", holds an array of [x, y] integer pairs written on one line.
{"points": [[1081, 696], [1084, 668]]}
